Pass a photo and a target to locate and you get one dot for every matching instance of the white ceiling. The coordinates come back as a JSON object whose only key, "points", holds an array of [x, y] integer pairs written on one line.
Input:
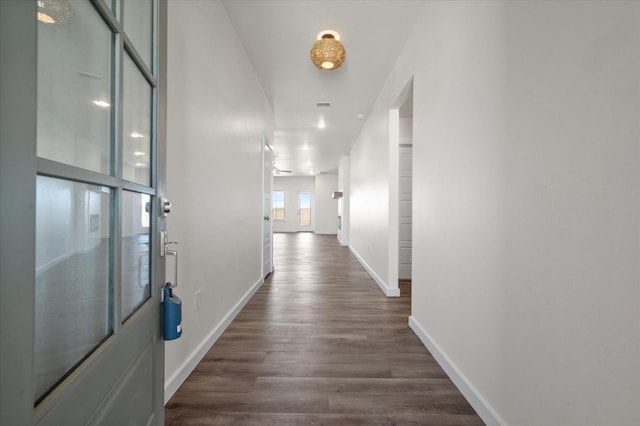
{"points": [[277, 36]]}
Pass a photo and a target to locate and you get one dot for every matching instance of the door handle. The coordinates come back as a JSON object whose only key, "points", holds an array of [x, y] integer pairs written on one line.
{"points": [[164, 251], [267, 218], [165, 243], [174, 253]]}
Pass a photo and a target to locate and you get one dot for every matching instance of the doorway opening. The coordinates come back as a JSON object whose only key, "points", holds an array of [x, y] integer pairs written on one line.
{"points": [[305, 212], [405, 194], [400, 191], [267, 209]]}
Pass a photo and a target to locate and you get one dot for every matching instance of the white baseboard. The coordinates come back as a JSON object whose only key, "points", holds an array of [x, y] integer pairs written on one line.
{"points": [[388, 291], [176, 380], [482, 407], [50, 264]]}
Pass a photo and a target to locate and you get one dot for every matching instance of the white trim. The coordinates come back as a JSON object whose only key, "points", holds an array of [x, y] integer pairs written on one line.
{"points": [[388, 291], [265, 146], [393, 230], [50, 264], [482, 407], [176, 380]]}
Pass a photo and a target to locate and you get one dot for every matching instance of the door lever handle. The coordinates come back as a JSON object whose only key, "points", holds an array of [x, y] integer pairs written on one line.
{"points": [[164, 244], [175, 270]]}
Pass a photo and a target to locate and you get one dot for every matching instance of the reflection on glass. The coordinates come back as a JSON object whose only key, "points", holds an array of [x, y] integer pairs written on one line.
{"points": [[138, 25], [55, 12], [72, 276], [74, 88], [135, 251], [136, 125]]}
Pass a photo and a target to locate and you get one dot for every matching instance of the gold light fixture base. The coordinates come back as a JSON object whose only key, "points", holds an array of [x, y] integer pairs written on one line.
{"points": [[328, 53]]}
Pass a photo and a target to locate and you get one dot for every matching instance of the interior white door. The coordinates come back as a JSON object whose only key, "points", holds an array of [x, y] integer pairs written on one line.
{"points": [[88, 159], [267, 227], [306, 212], [405, 213]]}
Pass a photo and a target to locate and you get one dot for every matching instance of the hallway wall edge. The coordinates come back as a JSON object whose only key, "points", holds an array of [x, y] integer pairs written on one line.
{"points": [[386, 289], [482, 407], [176, 380]]}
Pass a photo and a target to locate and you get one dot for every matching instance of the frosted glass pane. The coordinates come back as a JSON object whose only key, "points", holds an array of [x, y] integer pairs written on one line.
{"points": [[138, 25], [74, 89], [72, 276], [135, 251], [136, 125]]}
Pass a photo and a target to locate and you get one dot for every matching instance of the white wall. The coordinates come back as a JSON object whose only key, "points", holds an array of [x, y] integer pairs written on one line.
{"points": [[343, 203], [291, 185], [369, 195], [373, 183], [326, 207], [215, 132], [526, 209], [406, 130]]}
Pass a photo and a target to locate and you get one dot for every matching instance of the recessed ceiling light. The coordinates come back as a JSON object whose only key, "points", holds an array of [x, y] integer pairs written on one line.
{"points": [[137, 135], [138, 153], [321, 125], [140, 165]]}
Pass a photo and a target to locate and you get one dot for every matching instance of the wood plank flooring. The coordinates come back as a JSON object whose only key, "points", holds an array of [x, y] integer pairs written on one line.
{"points": [[319, 344]]}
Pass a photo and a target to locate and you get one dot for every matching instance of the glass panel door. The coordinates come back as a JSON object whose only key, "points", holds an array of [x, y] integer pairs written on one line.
{"points": [[305, 211], [97, 354]]}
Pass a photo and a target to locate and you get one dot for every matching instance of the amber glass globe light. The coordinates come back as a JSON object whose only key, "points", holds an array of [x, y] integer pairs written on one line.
{"points": [[328, 53]]}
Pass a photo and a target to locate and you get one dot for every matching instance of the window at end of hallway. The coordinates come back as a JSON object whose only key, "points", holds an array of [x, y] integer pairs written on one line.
{"points": [[278, 205]]}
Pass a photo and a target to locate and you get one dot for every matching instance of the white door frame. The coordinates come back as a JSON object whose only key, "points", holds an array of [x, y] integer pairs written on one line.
{"points": [[267, 203], [394, 198]]}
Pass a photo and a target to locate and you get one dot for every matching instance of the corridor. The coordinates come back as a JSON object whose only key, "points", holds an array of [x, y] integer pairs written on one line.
{"points": [[319, 344]]}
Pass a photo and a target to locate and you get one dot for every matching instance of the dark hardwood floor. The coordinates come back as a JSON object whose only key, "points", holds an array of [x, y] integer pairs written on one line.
{"points": [[319, 344]]}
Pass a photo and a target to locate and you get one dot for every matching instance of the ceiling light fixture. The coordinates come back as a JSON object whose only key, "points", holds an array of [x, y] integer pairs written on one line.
{"points": [[328, 53], [55, 12], [321, 125]]}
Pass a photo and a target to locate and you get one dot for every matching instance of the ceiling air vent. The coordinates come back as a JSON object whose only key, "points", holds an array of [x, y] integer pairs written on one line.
{"points": [[323, 104]]}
